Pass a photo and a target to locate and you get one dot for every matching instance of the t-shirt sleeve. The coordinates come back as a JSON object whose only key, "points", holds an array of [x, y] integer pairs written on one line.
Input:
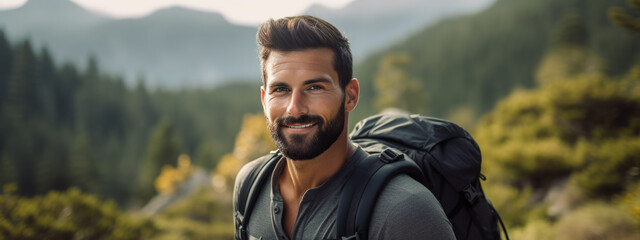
{"points": [[407, 210]]}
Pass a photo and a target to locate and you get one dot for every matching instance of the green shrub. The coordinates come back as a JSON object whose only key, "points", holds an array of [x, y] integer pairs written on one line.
{"points": [[67, 215]]}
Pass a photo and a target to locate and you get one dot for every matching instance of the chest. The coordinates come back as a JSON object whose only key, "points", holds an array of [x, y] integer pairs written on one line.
{"points": [[314, 219]]}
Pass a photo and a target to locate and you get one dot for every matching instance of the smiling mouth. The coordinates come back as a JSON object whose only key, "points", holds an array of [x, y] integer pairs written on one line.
{"points": [[301, 126]]}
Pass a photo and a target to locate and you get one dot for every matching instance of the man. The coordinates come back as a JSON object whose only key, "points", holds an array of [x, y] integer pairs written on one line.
{"points": [[307, 94]]}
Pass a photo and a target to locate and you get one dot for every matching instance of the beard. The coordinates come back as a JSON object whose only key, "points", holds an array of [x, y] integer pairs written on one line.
{"points": [[302, 146]]}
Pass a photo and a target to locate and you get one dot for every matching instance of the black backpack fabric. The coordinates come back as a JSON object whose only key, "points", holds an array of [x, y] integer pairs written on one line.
{"points": [[437, 153], [449, 164]]}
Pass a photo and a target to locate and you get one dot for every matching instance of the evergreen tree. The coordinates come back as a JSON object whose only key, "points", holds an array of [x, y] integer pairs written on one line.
{"points": [[8, 169], [570, 31], [6, 62], [141, 110], [92, 72], [205, 156], [20, 104], [568, 55], [66, 90], [45, 89], [83, 165], [395, 87], [163, 149], [21, 98], [52, 172]]}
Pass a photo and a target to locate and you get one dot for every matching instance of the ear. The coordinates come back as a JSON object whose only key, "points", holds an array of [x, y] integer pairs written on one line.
{"points": [[262, 94], [352, 92]]}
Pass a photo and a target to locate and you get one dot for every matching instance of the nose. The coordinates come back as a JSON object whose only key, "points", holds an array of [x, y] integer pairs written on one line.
{"points": [[297, 104]]}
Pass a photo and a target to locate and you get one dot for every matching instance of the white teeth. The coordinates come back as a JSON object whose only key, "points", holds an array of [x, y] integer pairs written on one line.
{"points": [[302, 126]]}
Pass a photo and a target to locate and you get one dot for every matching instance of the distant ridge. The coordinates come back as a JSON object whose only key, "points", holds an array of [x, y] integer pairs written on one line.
{"points": [[373, 24], [180, 47], [171, 47], [187, 14], [47, 16]]}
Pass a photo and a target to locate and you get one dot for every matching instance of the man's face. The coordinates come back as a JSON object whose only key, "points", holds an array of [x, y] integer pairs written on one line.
{"points": [[303, 102]]}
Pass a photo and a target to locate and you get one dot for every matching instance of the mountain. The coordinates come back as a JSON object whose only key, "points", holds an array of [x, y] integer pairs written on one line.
{"points": [[372, 24], [473, 61], [172, 47], [47, 17], [179, 47]]}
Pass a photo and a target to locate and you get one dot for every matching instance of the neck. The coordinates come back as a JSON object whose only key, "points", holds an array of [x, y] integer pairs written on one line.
{"points": [[300, 176]]}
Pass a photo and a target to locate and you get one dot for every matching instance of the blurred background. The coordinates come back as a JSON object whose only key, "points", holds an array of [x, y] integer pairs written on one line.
{"points": [[123, 120]]}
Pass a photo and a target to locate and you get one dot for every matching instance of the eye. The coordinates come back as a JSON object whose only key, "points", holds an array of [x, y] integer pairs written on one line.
{"points": [[316, 87], [279, 89]]}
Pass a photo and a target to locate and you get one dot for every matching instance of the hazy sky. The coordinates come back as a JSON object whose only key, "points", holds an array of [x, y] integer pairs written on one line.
{"points": [[237, 11]]}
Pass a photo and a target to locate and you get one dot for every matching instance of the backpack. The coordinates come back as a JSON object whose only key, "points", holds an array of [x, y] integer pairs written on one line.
{"points": [[437, 153], [448, 158]]}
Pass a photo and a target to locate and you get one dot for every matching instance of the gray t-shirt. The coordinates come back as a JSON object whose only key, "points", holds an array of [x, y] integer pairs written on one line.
{"points": [[405, 208]]}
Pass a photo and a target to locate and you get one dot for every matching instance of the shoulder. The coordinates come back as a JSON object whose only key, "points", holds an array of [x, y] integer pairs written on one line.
{"points": [[405, 209], [246, 170]]}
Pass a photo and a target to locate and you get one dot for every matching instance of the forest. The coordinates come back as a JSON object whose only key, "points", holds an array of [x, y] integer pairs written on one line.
{"points": [[550, 90]]}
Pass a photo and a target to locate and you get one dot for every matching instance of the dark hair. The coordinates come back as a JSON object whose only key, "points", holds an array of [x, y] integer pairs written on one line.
{"points": [[301, 33]]}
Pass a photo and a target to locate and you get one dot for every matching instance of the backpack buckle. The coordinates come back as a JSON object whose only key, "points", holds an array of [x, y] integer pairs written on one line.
{"points": [[241, 232], [391, 155], [471, 193]]}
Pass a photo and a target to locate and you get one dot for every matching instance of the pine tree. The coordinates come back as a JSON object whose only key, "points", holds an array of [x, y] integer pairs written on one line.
{"points": [[163, 149], [20, 104], [52, 172], [141, 109], [83, 166], [92, 71], [6, 62], [21, 96], [568, 55], [570, 31], [395, 87], [66, 91], [46, 82], [8, 169]]}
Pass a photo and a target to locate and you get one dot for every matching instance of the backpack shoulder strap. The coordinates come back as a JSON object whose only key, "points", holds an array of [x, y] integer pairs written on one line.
{"points": [[361, 191], [249, 191]]}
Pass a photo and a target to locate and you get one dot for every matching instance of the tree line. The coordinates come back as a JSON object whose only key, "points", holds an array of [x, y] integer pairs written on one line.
{"points": [[63, 126]]}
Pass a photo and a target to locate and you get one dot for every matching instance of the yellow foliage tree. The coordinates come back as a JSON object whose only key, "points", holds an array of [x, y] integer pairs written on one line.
{"points": [[631, 201], [253, 141], [555, 151], [581, 132], [171, 178]]}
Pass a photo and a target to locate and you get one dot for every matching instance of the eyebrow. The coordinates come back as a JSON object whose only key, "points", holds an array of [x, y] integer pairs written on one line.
{"points": [[306, 82], [278, 84], [316, 80]]}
